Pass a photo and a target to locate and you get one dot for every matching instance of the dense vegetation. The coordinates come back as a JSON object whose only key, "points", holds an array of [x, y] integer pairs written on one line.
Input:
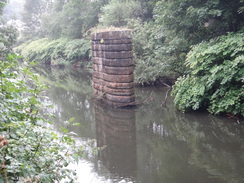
{"points": [[164, 34], [58, 51], [216, 78], [29, 150]]}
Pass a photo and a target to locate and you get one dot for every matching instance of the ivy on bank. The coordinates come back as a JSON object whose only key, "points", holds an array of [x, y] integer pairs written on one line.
{"points": [[29, 150], [216, 77]]}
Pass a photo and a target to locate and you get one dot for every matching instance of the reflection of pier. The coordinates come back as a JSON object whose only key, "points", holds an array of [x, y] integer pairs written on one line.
{"points": [[115, 130]]}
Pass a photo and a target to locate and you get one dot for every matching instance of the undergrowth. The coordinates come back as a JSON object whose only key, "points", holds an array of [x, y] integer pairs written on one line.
{"points": [[59, 51]]}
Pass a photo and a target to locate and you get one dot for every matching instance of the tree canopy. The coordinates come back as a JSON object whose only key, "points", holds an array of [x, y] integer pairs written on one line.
{"points": [[71, 19]]}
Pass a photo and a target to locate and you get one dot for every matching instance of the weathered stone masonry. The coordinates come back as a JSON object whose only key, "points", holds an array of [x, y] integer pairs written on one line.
{"points": [[113, 67]]}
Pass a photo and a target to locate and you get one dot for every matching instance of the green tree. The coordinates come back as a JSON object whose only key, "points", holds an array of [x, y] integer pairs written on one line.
{"points": [[33, 11], [147, 7], [119, 12], [188, 22], [175, 27], [71, 19], [8, 37], [51, 22]]}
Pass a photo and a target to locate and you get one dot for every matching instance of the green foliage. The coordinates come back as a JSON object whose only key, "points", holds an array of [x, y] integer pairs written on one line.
{"points": [[60, 51], [196, 20], [2, 4], [31, 151], [188, 22], [71, 19], [8, 36], [33, 11], [118, 12], [162, 43], [147, 7], [216, 76], [151, 63], [77, 50]]}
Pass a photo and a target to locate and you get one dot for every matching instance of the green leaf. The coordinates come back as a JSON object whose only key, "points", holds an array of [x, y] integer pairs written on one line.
{"points": [[64, 130], [71, 120]]}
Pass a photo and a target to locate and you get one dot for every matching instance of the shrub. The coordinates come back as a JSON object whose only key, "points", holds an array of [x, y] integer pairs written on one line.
{"points": [[215, 81], [59, 51], [29, 150]]}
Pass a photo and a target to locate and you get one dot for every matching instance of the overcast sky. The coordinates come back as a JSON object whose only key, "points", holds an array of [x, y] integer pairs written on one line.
{"points": [[14, 9]]}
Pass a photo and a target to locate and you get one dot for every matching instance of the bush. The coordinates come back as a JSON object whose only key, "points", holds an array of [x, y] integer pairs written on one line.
{"points": [[29, 150], [60, 51], [215, 81]]}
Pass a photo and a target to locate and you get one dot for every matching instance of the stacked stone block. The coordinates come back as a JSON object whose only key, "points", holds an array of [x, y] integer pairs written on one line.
{"points": [[113, 67]]}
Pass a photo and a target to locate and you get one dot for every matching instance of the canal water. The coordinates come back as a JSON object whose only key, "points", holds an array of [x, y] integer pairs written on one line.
{"points": [[152, 143]]}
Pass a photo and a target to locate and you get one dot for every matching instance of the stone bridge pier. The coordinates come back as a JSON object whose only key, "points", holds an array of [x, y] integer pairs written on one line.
{"points": [[113, 67]]}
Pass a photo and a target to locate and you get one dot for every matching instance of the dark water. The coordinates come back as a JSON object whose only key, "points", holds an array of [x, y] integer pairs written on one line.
{"points": [[152, 143]]}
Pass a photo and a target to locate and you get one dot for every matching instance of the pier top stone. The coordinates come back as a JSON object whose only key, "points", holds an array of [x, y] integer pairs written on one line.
{"points": [[112, 34]]}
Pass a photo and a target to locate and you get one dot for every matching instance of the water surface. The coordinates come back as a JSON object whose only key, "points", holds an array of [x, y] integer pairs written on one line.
{"points": [[152, 143]]}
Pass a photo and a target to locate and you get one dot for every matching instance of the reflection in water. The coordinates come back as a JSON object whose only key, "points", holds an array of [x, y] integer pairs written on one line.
{"points": [[216, 146], [149, 144], [195, 147], [70, 94], [116, 133]]}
